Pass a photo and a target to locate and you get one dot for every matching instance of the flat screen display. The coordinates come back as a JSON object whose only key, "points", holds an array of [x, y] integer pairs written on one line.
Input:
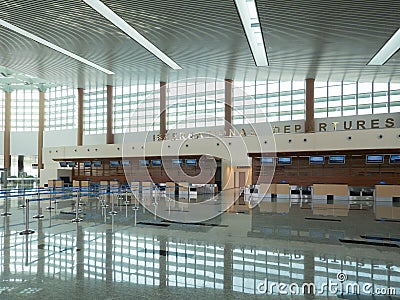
{"points": [[266, 160], [337, 159], [143, 162], [374, 159], [71, 164], [97, 164], [191, 162], [63, 164], [156, 162], [125, 162], [317, 160], [284, 160], [87, 164], [395, 159], [114, 163], [177, 161]]}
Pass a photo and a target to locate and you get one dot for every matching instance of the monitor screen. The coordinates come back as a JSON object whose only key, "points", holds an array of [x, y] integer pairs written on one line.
{"points": [[71, 164], [177, 161], [337, 159], [87, 164], [374, 159], [114, 163], [125, 162], [266, 160], [97, 164], [284, 160], [395, 159], [143, 162], [156, 162], [63, 164], [191, 162], [317, 160]]}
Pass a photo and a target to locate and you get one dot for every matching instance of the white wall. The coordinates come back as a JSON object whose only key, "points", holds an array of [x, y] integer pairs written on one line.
{"points": [[60, 138], [23, 143]]}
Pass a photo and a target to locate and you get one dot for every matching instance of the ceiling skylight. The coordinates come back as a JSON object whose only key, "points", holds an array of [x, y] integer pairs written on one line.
{"points": [[52, 46], [387, 51], [248, 13], [130, 31]]}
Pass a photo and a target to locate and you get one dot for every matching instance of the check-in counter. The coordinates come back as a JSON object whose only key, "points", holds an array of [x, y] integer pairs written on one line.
{"points": [[387, 202], [136, 188], [147, 189], [170, 189], [331, 200], [56, 186], [274, 198], [183, 190]]}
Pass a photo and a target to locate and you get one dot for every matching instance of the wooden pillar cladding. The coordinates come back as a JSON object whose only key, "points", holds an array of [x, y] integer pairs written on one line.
{"points": [[228, 106], [80, 117], [309, 124], [110, 135], [41, 130], [7, 129], [163, 110]]}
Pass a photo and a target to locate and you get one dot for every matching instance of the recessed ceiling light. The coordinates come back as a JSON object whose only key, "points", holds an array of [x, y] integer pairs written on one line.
{"points": [[248, 14], [106, 12], [387, 51], [52, 46]]}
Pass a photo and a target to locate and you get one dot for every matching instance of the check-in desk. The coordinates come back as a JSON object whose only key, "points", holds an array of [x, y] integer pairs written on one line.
{"points": [[105, 189], [274, 198], [387, 202], [136, 189], [183, 190], [56, 187], [331, 200]]}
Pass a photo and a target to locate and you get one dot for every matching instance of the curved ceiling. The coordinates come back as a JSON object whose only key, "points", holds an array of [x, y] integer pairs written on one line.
{"points": [[322, 39]]}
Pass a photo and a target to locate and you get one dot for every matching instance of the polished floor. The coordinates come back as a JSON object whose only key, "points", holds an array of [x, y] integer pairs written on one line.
{"points": [[108, 256]]}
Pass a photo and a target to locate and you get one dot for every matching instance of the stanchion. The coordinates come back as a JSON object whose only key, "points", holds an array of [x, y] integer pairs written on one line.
{"points": [[50, 198], [126, 204], [39, 210], [6, 213], [112, 212], [135, 209], [23, 205], [27, 230], [77, 219]]}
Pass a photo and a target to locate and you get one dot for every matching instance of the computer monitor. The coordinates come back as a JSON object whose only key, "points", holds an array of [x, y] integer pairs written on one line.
{"points": [[143, 162], [63, 164], [374, 159], [177, 161], [191, 162], [97, 164], [266, 160], [394, 159], [156, 162], [337, 159], [71, 164], [284, 160], [317, 160], [87, 164], [114, 163], [125, 163]]}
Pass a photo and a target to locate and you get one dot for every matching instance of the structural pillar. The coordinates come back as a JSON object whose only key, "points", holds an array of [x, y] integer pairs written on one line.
{"points": [[80, 117], [163, 110], [110, 136], [41, 130], [309, 124], [228, 106], [7, 129]]}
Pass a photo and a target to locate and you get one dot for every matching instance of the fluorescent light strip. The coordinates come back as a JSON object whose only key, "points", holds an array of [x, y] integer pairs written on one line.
{"points": [[387, 51], [251, 24], [52, 46], [125, 27]]}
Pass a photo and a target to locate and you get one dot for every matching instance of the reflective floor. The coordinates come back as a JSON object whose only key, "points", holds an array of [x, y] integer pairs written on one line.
{"points": [[242, 254]]}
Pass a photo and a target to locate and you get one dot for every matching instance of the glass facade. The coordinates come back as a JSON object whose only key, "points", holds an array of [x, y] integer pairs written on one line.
{"points": [[262, 101], [25, 110], [95, 109], [336, 99], [61, 108], [195, 103]]}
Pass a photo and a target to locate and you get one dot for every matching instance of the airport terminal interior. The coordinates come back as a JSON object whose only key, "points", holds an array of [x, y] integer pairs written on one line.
{"points": [[233, 149]]}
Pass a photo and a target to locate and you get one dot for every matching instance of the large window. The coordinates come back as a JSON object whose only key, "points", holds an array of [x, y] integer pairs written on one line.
{"points": [[336, 99], [61, 109], [25, 110], [197, 103], [262, 101], [136, 107], [95, 109]]}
